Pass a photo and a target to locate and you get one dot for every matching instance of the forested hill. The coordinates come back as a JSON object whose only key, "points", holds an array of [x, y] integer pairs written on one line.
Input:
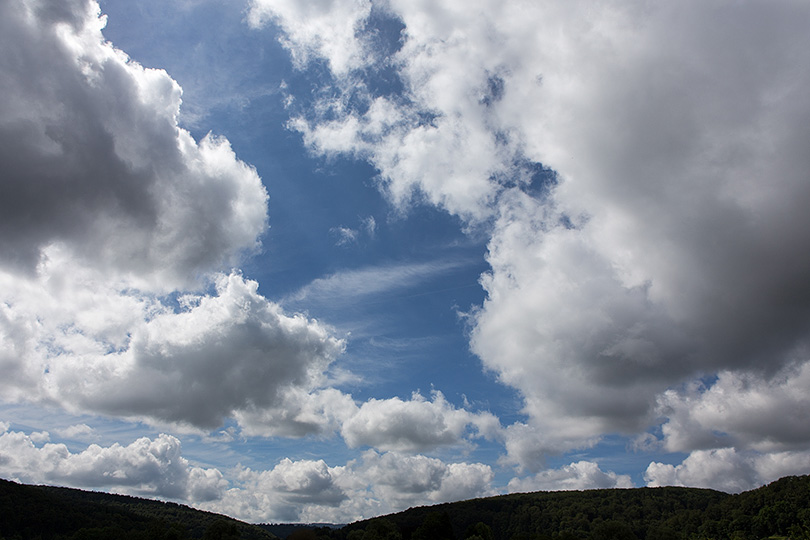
{"points": [[51, 513], [779, 510]]}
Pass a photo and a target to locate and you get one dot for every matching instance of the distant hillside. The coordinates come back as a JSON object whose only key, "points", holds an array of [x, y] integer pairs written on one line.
{"points": [[780, 510], [51, 513]]}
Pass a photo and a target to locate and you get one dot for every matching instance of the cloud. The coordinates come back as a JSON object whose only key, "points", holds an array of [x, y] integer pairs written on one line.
{"points": [[325, 30], [300, 412], [575, 476], [145, 467], [672, 241], [110, 213], [375, 280], [93, 159], [414, 426], [740, 409], [131, 356], [345, 235], [78, 432], [284, 493], [302, 490], [727, 469], [394, 424], [311, 491], [402, 481]]}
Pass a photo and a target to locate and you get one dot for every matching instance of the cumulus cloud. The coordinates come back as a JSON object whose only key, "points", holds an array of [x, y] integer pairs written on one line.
{"points": [[284, 493], [312, 491], [393, 424], [414, 425], [293, 490], [727, 469], [740, 409], [110, 213], [672, 241], [324, 30], [300, 411], [130, 355], [401, 481], [153, 467], [93, 158], [575, 476]]}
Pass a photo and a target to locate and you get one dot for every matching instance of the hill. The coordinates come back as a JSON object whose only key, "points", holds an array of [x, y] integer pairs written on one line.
{"points": [[779, 510], [52, 513]]}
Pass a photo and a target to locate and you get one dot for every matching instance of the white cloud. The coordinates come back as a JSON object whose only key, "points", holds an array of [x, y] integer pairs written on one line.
{"points": [[39, 437], [351, 284], [112, 213], [727, 469], [145, 467], [575, 476], [300, 412], [323, 29], [674, 243], [746, 410], [415, 425], [303, 490], [78, 432], [345, 235], [132, 356], [311, 491], [93, 159], [402, 481], [370, 226], [284, 493]]}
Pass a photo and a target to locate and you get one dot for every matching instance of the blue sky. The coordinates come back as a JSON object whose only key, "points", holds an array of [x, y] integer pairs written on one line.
{"points": [[324, 260]]}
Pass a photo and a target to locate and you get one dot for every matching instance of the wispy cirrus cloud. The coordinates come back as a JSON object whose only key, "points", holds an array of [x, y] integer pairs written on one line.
{"points": [[376, 281]]}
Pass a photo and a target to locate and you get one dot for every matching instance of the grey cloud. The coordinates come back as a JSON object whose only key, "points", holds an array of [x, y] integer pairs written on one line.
{"points": [[675, 242], [106, 203], [92, 156], [741, 410], [231, 352]]}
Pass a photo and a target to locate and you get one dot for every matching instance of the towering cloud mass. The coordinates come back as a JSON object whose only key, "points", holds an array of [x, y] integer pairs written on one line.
{"points": [[93, 159], [671, 242], [106, 205]]}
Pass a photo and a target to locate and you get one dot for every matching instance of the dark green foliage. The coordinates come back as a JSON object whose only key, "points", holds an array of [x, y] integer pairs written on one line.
{"points": [[49, 513], [377, 529], [780, 511], [436, 526], [613, 530], [480, 531], [221, 530]]}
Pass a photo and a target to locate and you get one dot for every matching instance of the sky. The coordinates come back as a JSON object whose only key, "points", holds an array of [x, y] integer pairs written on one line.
{"points": [[322, 260]]}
